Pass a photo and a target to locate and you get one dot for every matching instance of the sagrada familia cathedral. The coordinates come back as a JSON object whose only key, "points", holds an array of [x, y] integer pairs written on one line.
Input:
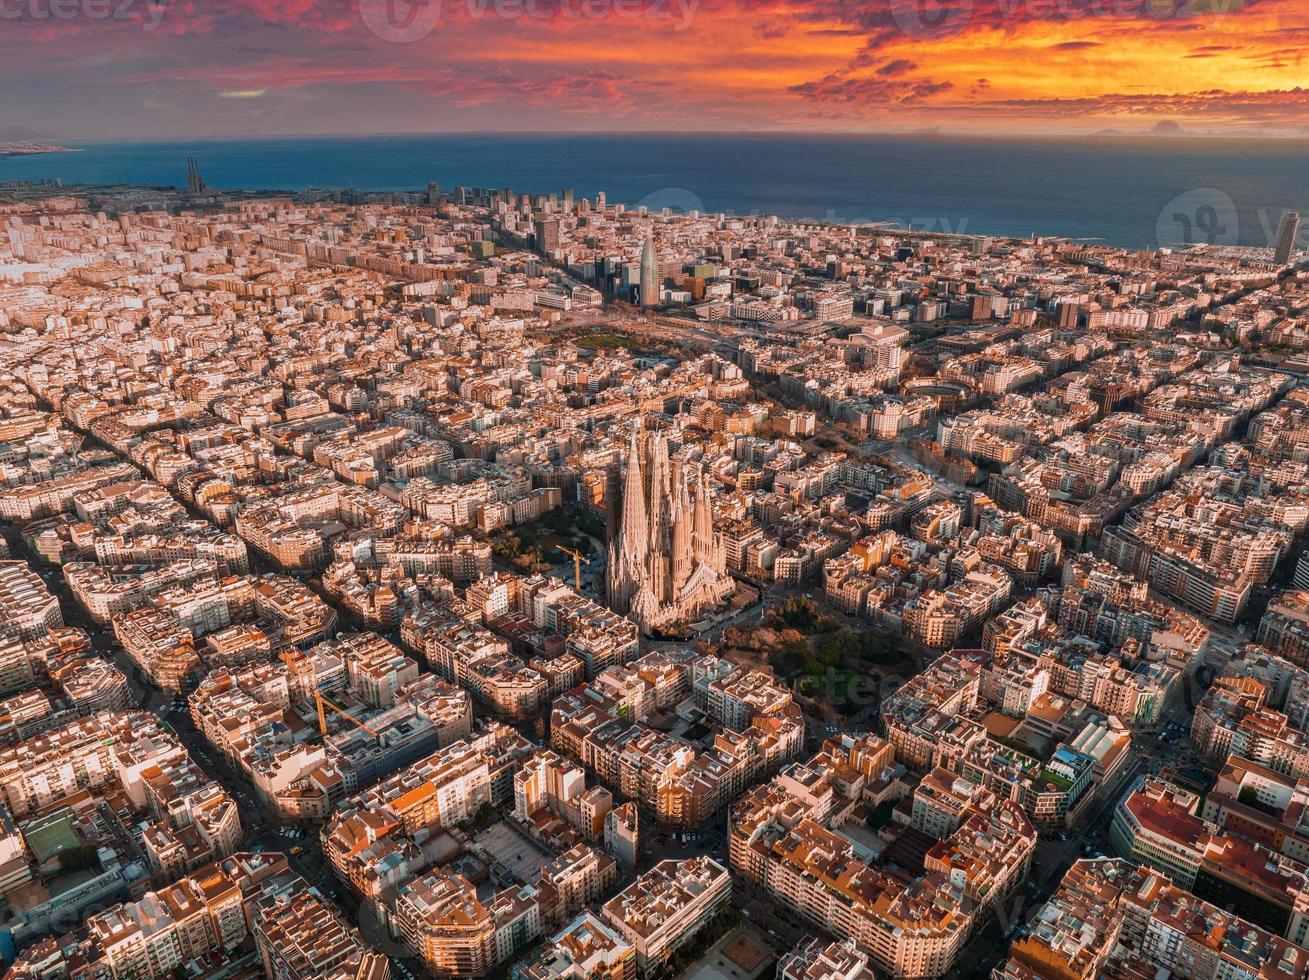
{"points": [[666, 564]]}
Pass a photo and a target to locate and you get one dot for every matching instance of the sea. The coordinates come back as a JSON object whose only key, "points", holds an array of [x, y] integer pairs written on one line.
{"points": [[1123, 191]]}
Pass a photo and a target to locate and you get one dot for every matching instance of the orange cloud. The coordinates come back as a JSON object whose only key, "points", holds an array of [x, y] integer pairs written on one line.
{"points": [[1048, 65]]}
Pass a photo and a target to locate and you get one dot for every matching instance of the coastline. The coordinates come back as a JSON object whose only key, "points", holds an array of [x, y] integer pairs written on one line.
{"points": [[13, 150], [1120, 192]]}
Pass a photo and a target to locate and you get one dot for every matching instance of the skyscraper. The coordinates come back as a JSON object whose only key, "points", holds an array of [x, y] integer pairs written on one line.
{"points": [[548, 235], [666, 565], [649, 274], [1286, 233], [194, 182]]}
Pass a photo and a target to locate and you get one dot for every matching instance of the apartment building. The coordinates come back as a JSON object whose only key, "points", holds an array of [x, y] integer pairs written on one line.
{"points": [[27, 608], [585, 949], [666, 906]]}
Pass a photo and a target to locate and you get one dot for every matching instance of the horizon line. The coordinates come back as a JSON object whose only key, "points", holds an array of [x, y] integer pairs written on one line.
{"points": [[1182, 136]]}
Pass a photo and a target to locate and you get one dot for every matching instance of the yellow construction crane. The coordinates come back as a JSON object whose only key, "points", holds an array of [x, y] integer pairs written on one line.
{"points": [[578, 560], [322, 717]]}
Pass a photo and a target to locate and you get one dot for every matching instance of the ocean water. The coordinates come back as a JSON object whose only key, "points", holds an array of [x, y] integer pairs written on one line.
{"points": [[1138, 193]]}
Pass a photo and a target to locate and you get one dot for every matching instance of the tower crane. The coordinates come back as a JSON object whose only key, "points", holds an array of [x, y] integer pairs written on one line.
{"points": [[320, 701], [578, 561]]}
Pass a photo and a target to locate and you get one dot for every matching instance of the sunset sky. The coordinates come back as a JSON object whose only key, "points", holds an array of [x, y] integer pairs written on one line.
{"points": [[139, 68]]}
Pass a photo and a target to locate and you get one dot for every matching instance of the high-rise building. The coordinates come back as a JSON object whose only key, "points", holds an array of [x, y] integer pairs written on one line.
{"points": [[667, 565], [194, 182], [649, 274], [1286, 232], [548, 235]]}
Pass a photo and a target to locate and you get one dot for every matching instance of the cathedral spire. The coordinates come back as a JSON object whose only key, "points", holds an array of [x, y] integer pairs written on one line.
{"points": [[682, 548], [630, 552], [704, 519], [660, 496], [635, 530]]}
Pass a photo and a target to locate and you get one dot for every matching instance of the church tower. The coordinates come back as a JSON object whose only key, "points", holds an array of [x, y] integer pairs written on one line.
{"points": [[667, 567]]}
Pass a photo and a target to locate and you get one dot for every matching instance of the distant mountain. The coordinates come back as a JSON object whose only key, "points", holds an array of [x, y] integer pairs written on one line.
{"points": [[1164, 127], [1168, 127]]}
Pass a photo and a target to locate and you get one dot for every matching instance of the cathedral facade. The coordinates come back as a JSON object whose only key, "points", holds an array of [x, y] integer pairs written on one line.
{"points": [[666, 564]]}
